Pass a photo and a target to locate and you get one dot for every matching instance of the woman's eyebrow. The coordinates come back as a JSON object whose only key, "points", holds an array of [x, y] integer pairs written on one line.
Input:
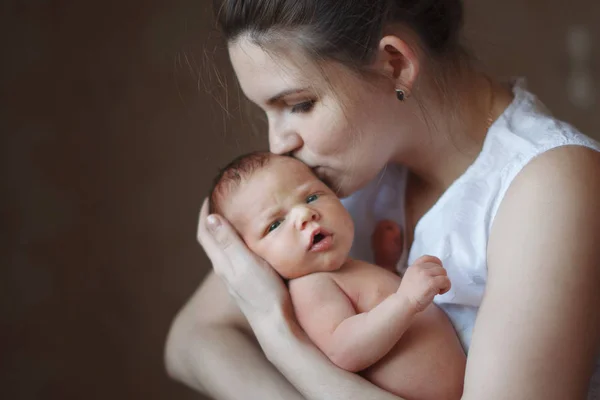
{"points": [[284, 93]]}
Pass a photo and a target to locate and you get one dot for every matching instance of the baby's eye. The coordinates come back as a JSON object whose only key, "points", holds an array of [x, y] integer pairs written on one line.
{"points": [[273, 226], [312, 198]]}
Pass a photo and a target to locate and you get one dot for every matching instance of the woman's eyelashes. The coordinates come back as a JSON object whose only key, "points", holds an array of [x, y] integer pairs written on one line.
{"points": [[303, 107]]}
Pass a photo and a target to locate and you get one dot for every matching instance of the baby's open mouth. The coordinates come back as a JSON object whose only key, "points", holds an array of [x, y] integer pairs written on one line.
{"points": [[318, 237], [321, 240]]}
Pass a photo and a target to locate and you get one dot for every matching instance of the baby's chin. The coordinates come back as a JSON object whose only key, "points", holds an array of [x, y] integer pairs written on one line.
{"points": [[330, 265]]}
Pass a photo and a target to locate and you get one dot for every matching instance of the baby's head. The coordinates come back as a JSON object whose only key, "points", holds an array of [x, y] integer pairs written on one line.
{"points": [[284, 213]]}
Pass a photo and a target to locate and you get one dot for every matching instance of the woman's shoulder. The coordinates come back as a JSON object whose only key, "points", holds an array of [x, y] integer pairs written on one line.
{"points": [[527, 128], [568, 177], [525, 133], [548, 167]]}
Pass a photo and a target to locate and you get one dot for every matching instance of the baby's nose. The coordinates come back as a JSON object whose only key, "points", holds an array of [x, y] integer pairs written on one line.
{"points": [[306, 215]]}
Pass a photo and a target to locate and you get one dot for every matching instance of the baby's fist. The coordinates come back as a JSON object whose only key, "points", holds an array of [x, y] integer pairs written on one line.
{"points": [[423, 280]]}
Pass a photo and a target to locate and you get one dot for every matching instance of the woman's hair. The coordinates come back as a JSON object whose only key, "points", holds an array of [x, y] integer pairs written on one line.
{"points": [[346, 31]]}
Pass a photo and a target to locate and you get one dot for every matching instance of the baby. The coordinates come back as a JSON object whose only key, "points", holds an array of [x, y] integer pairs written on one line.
{"points": [[358, 314]]}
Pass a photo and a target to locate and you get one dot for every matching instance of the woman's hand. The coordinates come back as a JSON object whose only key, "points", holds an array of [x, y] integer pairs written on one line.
{"points": [[255, 286]]}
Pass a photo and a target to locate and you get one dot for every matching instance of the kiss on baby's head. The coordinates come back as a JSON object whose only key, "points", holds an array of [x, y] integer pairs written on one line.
{"points": [[284, 213]]}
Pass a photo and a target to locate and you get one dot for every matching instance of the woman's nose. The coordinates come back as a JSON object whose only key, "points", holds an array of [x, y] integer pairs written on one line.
{"points": [[283, 139], [304, 215]]}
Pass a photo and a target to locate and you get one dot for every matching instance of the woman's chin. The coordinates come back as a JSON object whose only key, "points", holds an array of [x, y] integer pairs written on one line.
{"points": [[347, 188], [345, 183]]}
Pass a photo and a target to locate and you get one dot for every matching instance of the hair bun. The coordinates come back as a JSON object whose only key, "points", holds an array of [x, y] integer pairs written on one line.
{"points": [[439, 22]]}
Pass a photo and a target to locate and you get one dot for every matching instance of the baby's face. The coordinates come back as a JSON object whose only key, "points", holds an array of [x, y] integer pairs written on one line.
{"points": [[291, 219]]}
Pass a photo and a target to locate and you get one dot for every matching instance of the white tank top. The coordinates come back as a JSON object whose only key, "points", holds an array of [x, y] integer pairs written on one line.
{"points": [[457, 228]]}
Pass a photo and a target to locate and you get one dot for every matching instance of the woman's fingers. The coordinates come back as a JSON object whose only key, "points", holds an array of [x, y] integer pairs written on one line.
{"points": [[203, 236], [239, 259], [229, 254], [254, 285]]}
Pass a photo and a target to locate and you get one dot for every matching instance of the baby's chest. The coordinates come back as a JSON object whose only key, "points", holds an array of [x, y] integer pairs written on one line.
{"points": [[367, 285]]}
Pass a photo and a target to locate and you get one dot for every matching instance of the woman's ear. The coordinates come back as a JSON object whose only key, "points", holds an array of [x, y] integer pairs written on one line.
{"points": [[397, 61]]}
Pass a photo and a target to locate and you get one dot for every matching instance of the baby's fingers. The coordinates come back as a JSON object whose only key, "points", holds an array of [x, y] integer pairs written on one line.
{"points": [[442, 283], [428, 260], [436, 270]]}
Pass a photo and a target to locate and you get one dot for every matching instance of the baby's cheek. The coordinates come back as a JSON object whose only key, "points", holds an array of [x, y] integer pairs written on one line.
{"points": [[261, 250], [282, 257]]}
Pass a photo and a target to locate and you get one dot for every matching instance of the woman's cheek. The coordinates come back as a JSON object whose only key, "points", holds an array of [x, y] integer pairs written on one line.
{"points": [[328, 135]]}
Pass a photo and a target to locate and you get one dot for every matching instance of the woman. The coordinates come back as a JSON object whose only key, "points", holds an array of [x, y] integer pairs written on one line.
{"points": [[382, 101]]}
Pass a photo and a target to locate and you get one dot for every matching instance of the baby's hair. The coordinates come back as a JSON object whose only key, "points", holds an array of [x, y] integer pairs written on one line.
{"points": [[230, 177]]}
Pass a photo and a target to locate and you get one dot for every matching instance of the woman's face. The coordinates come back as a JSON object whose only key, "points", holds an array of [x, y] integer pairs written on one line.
{"points": [[326, 116]]}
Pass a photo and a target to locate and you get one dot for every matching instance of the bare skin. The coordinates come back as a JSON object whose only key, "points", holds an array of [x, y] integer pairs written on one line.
{"points": [[358, 316], [542, 255], [355, 312]]}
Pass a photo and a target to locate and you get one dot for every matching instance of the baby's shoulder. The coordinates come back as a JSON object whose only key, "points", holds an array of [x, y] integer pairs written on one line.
{"points": [[364, 270], [314, 290]]}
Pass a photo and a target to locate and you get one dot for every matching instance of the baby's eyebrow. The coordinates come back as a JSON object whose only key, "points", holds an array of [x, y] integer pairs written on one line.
{"points": [[268, 214], [304, 189]]}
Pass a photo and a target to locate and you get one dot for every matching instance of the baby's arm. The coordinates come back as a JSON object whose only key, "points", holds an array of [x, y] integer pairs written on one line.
{"points": [[356, 341], [351, 341]]}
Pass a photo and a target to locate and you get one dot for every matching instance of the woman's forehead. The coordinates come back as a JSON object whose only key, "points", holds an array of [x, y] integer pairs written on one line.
{"points": [[263, 73]]}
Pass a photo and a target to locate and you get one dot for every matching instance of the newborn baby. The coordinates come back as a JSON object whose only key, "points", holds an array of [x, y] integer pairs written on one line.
{"points": [[358, 314]]}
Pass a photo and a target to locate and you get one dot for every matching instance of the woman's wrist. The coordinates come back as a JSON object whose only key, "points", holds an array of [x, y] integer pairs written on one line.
{"points": [[276, 325]]}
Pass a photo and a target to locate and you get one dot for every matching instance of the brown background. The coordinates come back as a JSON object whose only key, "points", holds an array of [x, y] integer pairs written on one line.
{"points": [[111, 128]]}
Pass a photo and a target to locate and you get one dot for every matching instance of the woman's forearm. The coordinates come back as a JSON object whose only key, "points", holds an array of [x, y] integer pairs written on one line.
{"points": [[307, 368], [225, 363]]}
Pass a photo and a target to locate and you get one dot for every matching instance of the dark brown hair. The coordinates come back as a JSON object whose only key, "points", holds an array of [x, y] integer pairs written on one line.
{"points": [[343, 30], [230, 177]]}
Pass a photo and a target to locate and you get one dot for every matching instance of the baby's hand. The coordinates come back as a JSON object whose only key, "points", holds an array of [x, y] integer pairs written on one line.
{"points": [[422, 281]]}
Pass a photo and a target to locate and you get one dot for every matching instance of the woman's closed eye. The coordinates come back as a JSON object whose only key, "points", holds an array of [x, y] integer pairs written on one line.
{"points": [[303, 107]]}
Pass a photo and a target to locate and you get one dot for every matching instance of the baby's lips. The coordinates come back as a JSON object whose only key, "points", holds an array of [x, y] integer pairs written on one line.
{"points": [[315, 232]]}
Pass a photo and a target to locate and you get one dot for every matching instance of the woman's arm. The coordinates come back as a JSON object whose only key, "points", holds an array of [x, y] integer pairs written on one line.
{"points": [[538, 330], [211, 349], [207, 350]]}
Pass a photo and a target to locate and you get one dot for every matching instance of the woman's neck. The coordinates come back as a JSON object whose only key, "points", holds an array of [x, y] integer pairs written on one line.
{"points": [[452, 134]]}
